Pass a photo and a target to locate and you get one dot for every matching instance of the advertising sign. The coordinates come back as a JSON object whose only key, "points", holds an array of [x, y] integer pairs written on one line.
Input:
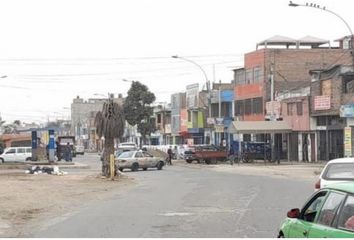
{"points": [[192, 93], [347, 141], [219, 128], [347, 111], [322, 102]]}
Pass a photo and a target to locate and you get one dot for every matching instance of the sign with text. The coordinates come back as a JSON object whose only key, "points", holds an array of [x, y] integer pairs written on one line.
{"points": [[219, 128], [192, 93], [322, 102], [347, 141], [347, 111]]}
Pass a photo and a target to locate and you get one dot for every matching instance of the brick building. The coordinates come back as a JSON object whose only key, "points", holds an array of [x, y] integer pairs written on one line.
{"points": [[287, 62]]}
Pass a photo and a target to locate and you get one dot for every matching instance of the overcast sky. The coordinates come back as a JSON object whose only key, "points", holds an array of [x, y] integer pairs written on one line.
{"points": [[53, 50]]}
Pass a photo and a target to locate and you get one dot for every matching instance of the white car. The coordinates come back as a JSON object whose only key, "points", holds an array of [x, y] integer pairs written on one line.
{"points": [[79, 149], [16, 154], [139, 159], [336, 171]]}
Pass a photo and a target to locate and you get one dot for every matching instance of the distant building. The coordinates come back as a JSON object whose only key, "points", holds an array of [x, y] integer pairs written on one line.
{"points": [[82, 119]]}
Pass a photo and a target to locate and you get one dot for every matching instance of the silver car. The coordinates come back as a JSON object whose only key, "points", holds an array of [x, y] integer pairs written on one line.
{"points": [[139, 159]]}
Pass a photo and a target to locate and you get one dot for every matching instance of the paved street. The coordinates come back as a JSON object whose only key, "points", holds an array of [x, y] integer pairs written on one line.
{"points": [[181, 201]]}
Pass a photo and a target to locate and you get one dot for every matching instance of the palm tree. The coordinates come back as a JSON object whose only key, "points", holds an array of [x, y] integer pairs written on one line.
{"points": [[109, 124]]}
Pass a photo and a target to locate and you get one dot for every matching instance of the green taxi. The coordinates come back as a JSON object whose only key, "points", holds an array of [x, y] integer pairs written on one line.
{"points": [[329, 213]]}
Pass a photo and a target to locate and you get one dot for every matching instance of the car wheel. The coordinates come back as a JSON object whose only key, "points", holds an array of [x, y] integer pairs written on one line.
{"points": [[207, 161], [1, 160], [135, 167], [159, 165], [281, 235], [189, 161], [145, 168], [120, 169], [28, 159]]}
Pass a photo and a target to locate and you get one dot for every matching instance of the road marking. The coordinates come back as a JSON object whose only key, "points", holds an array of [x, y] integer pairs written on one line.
{"points": [[173, 214]]}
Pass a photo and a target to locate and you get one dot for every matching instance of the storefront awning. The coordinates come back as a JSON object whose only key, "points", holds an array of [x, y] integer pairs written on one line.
{"points": [[257, 127]]}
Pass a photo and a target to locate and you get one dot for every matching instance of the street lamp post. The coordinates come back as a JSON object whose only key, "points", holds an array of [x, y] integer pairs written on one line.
{"points": [[205, 75], [206, 79], [316, 6]]}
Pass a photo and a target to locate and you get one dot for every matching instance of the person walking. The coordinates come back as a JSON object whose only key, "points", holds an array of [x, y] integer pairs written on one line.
{"points": [[170, 153], [67, 153]]}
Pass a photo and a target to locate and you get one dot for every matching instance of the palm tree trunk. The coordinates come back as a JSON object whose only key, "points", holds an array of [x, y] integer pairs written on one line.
{"points": [[108, 150]]}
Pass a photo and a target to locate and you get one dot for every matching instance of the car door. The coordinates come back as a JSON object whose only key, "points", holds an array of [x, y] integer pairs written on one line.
{"points": [[20, 154], [325, 220], [140, 159], [344, 222], [150, 160], [300, 227], [10, 154]]}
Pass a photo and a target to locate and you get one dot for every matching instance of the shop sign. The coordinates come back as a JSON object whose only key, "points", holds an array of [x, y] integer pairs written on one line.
{"points": [[322, 102], [347, 141], [347, 111], [219, 128], [211, 120]]}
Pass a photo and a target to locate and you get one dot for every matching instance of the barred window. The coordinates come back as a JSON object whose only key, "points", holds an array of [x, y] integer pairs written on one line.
{"points": [[249, 76], [239, 108], [257, 105], [257, 75], [248, 106]]}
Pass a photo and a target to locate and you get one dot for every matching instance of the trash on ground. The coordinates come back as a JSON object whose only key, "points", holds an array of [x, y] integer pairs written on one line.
{"points": [[45, 170]]}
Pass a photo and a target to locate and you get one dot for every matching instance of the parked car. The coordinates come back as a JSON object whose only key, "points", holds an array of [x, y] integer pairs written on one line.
{"points": [[329, 213], [336, 171], [79, 149], [139, 159], [16, 154]]}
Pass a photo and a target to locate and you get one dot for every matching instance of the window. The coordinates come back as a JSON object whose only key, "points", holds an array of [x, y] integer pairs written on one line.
{"points": [[348, 85], [146, 154], [139, 155], [189, 113], [346, 217], [299, 108], [257, 75], [21, 150], [240, 77], [248, 106], [339, 171], [309, 212], [326, 87], [249, 76], [11, 151], [159, 118], [257, 105], [239, 108], [28, 150], [290, 109], [330, 207]]}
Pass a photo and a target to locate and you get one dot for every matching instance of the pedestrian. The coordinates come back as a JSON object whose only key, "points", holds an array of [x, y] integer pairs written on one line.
{"points": [[170, 153], [67, 153]]}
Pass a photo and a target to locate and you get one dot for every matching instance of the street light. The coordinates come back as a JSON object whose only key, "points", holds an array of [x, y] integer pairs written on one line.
{"points": [[205, 75], [126, 80], [292, 4]]}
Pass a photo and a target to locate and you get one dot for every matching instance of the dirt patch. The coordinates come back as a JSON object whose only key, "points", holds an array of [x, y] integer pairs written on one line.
{"points": [[26, 199]]}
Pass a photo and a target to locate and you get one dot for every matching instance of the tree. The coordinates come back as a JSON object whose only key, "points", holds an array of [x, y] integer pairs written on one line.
{"points": [[137, 109], [109, 124]]}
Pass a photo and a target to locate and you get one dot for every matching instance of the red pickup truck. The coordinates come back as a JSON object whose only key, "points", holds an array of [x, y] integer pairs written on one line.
{"points": [[210, 154]]}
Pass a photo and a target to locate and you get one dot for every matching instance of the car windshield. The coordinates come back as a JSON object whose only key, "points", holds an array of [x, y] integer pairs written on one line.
{"points": [[339, 171], [126, 155]]}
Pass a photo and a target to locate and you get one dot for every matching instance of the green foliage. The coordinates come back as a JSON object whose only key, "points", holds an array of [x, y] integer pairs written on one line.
{"points": [[137, 108]]}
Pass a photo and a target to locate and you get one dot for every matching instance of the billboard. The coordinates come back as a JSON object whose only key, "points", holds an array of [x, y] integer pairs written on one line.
{"points": [[347, 111], [192, 95]]}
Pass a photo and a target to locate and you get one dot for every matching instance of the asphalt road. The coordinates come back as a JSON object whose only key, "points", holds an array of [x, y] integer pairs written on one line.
{"points": [[186, 202]]}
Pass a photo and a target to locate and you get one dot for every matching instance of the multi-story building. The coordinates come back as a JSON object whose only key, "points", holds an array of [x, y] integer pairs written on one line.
{"points": [[332, 107], [178, 118], [162, 116], [82, 119], [222, 111], [282, 65]]}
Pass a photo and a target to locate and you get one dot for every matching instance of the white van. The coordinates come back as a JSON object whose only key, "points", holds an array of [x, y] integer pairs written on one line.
{"points": [[16, 154]]}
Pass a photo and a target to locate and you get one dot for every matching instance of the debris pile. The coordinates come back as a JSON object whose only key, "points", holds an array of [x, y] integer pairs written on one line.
{"points": [[45, 170]]}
